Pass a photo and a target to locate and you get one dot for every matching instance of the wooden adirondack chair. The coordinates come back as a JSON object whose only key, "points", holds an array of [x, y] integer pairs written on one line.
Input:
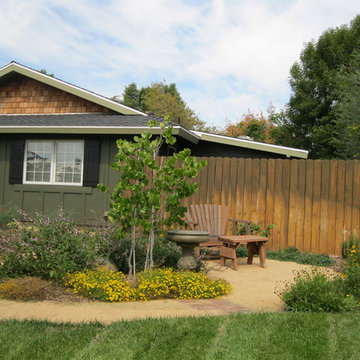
{"points": [[214, 219]]}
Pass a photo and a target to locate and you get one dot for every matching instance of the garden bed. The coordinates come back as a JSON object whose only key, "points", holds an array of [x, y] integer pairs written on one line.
{"points": [[253, 290]]}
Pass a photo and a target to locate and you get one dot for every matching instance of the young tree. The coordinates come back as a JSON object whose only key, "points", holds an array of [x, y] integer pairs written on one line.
{"points": [[148, 194], [313, 80]]}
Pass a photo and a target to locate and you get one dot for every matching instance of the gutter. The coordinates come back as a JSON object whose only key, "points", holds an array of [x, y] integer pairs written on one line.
{"points": [[111, 130]]}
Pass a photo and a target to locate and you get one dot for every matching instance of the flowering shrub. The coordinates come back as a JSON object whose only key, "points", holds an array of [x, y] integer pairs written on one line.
{"points": [[168, 283], [7, 217], [47, 247], [318, 291], [101, 284], [164, 283], [348, 245], [352, 271]]}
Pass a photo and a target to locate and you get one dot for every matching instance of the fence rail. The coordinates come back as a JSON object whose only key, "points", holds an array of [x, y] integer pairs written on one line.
{"points": [[313, 203]]}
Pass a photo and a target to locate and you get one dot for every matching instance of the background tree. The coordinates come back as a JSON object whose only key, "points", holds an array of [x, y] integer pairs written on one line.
{"points": [[347, 141], [162, 100], [257, 126], [43, 71], [131, 96], [314, 83]]}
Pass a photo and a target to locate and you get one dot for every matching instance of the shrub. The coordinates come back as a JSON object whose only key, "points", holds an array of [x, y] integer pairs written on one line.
{"points": [[48, 247], [7, 217], [255, 229], [164, 283], [317, 291], [293, 254], [165, 254], [24, 289]]}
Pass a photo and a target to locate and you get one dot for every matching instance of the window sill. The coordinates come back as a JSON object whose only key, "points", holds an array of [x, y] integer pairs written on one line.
{"points": [[54, 188]]}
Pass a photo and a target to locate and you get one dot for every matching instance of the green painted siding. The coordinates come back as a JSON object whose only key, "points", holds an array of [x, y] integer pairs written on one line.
{"points": [[84, 203]]}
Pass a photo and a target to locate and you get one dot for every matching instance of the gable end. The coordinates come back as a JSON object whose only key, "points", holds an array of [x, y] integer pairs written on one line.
{"points": [[22, 95]]}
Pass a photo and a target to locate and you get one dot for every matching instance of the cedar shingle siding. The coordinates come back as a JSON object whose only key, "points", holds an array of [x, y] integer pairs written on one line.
{"points": [[22, 95]]}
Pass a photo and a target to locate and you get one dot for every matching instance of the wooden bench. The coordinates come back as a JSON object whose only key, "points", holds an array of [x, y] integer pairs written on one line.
{"points": [[213, 219], [255, 245]]}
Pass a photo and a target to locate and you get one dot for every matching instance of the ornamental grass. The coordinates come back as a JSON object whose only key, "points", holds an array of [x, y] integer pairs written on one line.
{"points": [[165, 283]]}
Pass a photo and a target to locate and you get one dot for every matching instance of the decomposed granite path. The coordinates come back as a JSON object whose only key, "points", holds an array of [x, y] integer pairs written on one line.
{"points": [[253, 290]]}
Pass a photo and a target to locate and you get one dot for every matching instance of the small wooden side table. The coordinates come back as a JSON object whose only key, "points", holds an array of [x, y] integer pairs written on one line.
{"points": [[255, 245]]}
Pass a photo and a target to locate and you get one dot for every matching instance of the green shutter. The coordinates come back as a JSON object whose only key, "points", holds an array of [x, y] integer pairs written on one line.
{"points": [[17, 149], [91, 162]]}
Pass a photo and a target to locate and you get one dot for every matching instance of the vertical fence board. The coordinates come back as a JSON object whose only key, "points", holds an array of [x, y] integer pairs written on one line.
{"points": [[202, 182], [315, 233], [278, 203], [356, 200], [349, 173], [270, 193], [293, 199], [218, 179], [285, 203], [324, 207], [300, 204], [233, 183], [225, 184], [262, 192], [247, 189], [239, 214], [210, 181], [333, 175], [340, 196], [308, 205], [255, 179]]}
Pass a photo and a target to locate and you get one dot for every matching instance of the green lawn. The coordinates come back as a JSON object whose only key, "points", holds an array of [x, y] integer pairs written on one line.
{"points": [[241, 336]]}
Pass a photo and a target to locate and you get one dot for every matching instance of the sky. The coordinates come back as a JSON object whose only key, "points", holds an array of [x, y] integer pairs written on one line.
{"points": [[226, 56]]}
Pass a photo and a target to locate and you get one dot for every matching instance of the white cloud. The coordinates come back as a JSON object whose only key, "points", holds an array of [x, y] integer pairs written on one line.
{"points": [[226, 56]]}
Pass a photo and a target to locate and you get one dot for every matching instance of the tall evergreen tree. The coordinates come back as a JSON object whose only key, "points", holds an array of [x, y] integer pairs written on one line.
{"points": [[347, 122], [131, 96], [311, 122]]}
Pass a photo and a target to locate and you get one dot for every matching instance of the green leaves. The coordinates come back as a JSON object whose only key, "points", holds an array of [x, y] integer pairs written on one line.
{"points": [[148, 194], [312, 112]]}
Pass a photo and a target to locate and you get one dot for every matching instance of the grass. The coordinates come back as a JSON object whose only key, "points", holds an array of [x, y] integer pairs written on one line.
{"points": [[240, 336]]}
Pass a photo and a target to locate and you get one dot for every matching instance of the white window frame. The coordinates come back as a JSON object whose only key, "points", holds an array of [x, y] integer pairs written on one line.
{"points": [[53, 163]]}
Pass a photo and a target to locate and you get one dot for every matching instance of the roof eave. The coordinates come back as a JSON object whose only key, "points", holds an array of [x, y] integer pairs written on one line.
{"points": [[277, 149]]}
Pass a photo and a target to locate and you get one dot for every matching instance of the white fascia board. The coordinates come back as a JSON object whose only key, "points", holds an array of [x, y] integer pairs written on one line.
{"points": [[72, 89], [250, 144], [115, 130]]}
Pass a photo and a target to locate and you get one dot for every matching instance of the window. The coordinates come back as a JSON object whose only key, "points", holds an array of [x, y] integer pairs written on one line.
{"points": [[54, 162]]}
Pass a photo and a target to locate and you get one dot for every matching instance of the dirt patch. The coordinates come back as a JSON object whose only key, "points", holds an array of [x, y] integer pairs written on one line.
{"points": [[253, 290]]}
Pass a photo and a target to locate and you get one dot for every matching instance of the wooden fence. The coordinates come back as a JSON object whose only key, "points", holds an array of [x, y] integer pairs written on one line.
{"points": [[313, 203]]}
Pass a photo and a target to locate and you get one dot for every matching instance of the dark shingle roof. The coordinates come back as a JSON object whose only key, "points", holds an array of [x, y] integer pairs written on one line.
{"points": [[100, 120]]}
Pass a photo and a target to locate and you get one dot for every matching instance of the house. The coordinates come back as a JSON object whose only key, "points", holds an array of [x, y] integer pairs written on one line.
{"points": [[57, 141]]}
